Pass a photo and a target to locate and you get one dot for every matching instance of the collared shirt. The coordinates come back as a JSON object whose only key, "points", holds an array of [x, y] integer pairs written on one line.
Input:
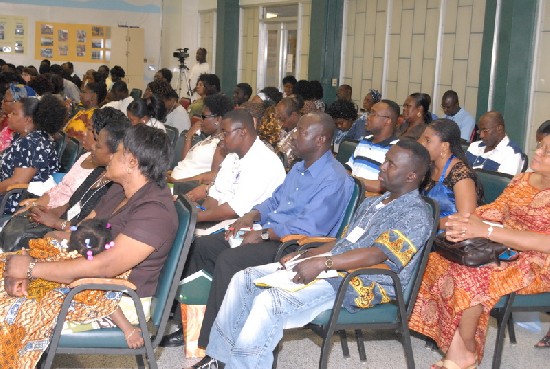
{"points": [[399, 229], [245, 182], [311, 201], [198, 159], [504, 158], [121, 105], [178, 118], [465, 122], [368, 156]]}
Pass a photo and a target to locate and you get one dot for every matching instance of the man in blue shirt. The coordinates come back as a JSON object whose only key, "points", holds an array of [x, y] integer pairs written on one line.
{"points": [[391, 229], [453, 111], [311, 201]]}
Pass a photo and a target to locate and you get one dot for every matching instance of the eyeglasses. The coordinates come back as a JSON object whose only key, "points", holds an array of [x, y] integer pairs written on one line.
{"points": [[373, 114], [545, 150], [227, 133], [203, 117], [487, 130]]}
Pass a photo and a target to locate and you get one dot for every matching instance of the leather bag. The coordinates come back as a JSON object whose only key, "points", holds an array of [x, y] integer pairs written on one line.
{"points": [[472, 252], [18, 231]]}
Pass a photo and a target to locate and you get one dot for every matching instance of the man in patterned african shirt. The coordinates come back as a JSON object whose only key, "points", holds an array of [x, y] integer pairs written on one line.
{"points": [[390, 229]]}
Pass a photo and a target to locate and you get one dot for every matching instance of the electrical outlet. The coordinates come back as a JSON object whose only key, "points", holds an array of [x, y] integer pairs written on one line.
{"points": [[334, 82]]}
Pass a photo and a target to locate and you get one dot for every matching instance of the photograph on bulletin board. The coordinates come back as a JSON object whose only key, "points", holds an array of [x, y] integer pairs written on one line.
{"points": [[62, 35], [63, 50], [19, 29], [12, 34], [46, 29]]}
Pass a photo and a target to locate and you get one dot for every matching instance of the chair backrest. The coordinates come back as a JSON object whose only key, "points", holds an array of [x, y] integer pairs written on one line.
{"points": [[525, 159], [59, 139], [357, 197], [493, 183], [135, 93], [411, 291], [345, 150], [173, 133], [173, 267], [465, 144], [70, 153], [178, 148]]}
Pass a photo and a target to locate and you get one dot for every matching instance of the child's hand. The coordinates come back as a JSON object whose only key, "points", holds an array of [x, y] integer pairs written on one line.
{"points": [[134, 339]]}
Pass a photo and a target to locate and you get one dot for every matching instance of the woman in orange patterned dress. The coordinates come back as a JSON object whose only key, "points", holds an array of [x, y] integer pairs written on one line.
{"points": [[454, 301]]}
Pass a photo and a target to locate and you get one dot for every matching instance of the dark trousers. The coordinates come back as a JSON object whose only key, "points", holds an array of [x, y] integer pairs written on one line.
{"points": [[214, 255]]}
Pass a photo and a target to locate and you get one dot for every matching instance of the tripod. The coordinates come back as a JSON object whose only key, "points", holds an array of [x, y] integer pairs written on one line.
{"points": [[183, 73]]}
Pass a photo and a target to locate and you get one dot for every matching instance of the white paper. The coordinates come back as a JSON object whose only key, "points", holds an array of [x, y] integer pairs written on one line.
{"points": [[355, 235]]}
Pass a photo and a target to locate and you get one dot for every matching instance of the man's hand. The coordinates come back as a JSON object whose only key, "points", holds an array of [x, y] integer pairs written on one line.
{"points": [[253, 237], [308, 270], [198, 193], [246, 221]]}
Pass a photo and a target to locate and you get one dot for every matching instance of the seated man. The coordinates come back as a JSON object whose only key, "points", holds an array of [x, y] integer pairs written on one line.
{"points": [[495, 151], [453, 111], [118, 97], [241, 93], [248, 175], [311, 201], [371, 150], [287, 111], [389, 229]]}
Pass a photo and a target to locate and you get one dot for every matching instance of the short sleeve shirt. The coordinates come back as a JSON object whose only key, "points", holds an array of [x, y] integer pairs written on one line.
{"points": [[150, 217]]}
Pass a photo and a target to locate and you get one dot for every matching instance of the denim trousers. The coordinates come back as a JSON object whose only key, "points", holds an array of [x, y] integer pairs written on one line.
{"points": [[251, 320]]}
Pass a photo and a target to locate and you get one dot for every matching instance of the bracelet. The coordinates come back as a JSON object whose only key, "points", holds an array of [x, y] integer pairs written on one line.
{"points": [[490, 231], [63, 225], [132, 332], [32, 264]]}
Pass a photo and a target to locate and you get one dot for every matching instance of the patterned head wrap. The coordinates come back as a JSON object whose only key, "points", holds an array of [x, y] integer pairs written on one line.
{"points": [[376, 95], [19, 91]]}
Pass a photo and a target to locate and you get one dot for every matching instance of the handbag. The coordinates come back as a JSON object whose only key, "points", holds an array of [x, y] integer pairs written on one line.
{"points": [[19, 230], [471, 252]]}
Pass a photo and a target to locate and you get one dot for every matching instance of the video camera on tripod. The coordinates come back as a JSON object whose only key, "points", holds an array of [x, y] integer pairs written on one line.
{"points": [[181, 55]]}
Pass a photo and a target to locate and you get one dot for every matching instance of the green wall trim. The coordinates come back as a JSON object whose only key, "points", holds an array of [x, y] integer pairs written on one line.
{"points": [[325, 44], [227, 44], [514, 63]]}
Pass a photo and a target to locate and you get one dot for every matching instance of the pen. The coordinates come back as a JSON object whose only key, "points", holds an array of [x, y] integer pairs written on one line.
{"points": [[201, 207], [294, 258]]}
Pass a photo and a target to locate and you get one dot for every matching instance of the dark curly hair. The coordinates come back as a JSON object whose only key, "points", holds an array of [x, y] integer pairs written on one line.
{"points": [[48, 114], [273, 96], [101, 117], [166, 74], [41, 84], [303, 88], [218, 104], [424, 100], [151, 147], [117, 73], [160, 88], [211, 83], [96, 231], [116, 129], [316, 90], [57, 82], [342, 109], [152, 107]]}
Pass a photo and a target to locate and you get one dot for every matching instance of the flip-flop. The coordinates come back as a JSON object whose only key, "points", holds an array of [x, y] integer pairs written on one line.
{"points": [[449, 364], [544, 342]]}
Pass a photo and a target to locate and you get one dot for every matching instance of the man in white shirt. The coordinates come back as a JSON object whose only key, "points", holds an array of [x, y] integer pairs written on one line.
{"points": [[248, 175], [119, 97], [495, 151], [453, 111], [201, 67]]}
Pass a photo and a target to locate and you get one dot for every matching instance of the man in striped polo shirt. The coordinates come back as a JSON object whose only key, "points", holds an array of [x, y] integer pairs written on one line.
{"points": [[371, 151]]}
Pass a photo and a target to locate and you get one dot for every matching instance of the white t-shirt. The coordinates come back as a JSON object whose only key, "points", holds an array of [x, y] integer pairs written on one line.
{"points": [[178, 118], [198, 160], [195, 72], [243, 183], [121, 105], [155, 123]]}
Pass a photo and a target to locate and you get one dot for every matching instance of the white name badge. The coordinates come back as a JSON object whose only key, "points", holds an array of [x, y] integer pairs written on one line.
{"points": [[354, 235], [73, 211]]}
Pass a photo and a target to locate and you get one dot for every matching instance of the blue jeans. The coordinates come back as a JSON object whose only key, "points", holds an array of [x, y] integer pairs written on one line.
{"points": [[251, 320]]}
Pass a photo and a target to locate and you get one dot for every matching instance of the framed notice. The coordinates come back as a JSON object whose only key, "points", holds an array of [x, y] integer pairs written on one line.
{"points": [[13, 34], [72, 42]]}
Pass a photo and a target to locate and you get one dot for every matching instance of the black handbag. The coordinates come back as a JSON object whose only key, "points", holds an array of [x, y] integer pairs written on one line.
{"points": [[19, 230], [471, 252]]}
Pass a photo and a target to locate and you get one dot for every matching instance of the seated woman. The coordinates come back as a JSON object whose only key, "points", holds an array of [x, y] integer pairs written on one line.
{"points": [[452, 183], [91, 97], [60, 194], [454, 301], [32, 155], [202, 160], [207, 84], [344, 114], [14, 93], [144, 222], [416, 113], [88, 194], [150, 111]]}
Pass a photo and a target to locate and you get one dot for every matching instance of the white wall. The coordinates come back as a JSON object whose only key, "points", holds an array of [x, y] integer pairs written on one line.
{"points": [[149, 21]]}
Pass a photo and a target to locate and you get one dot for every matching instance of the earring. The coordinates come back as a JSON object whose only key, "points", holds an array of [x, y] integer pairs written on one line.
{"points": [[128, 170], [418, 115]]}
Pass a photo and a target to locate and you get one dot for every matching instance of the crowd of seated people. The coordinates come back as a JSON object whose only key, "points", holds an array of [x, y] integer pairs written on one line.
{"points": [[269, 158]]}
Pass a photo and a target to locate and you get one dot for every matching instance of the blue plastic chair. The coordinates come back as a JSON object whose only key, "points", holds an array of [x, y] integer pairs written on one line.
{"points": [[111, 340]]}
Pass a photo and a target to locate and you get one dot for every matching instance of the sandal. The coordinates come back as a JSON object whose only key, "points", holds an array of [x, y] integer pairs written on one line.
{"points": [[544, 342]]}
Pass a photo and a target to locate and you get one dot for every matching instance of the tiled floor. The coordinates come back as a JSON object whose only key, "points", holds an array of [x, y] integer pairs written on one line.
{"points": [[301, 349]]}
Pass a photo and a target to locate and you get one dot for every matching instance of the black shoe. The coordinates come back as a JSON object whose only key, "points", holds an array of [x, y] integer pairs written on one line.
{"points": [[208, 362], [174, 339]]}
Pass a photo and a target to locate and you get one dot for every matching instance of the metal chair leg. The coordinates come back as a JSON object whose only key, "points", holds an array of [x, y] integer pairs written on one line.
{"points": [[511, 329], [344, 343], [361, 344]]}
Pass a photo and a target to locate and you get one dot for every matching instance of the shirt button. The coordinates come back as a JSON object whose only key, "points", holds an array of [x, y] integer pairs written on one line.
{"points": [[289, 203], [275, 211], [302, 173], [297, 188]]}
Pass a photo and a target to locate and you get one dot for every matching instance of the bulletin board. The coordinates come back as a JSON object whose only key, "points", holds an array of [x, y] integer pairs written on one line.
{"points": [[13, 34], [73, 42]]}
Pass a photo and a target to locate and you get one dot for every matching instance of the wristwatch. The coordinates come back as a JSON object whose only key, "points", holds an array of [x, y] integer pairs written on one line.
{"points": [[328, 263], [265, 234]]}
